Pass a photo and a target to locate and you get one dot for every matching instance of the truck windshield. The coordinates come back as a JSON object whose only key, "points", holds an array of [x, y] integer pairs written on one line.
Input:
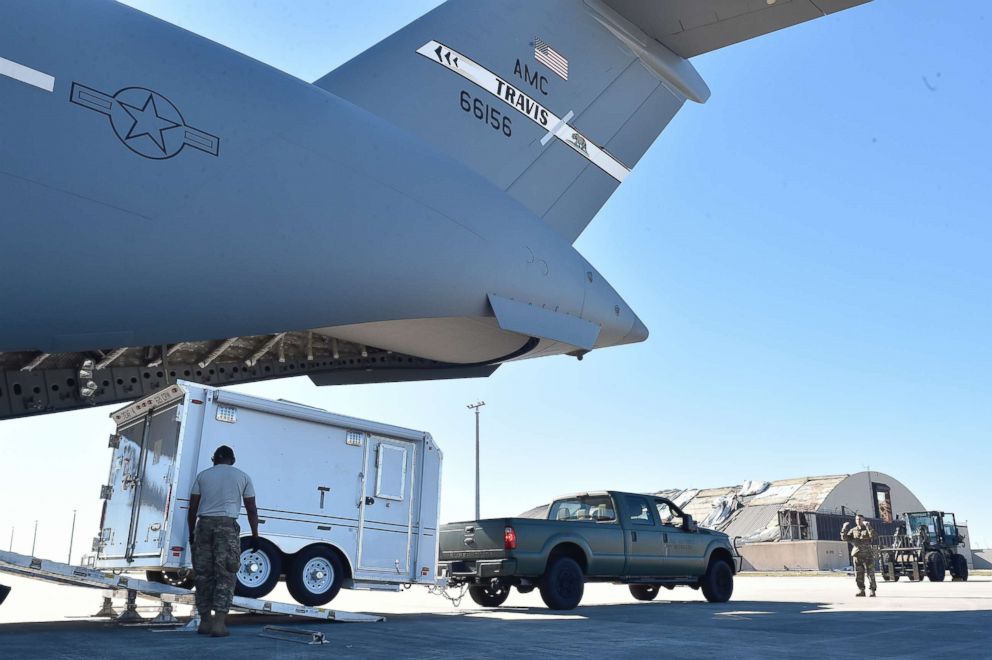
{"points": [[587, 508]]}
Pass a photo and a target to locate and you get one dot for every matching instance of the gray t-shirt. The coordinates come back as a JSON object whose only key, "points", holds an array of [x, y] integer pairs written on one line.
{"points": [[221, 489]]}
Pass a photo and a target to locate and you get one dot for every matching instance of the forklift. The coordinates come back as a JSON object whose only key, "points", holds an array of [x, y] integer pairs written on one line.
{"points": [[925, 544]]}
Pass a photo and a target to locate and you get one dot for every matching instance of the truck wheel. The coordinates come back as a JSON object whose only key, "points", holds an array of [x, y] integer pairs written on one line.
{"points": [[259, 570], [718, 582], [959, 568], [314, 576], [492, 594], [644, 591], [935, 567], [563, 584]]}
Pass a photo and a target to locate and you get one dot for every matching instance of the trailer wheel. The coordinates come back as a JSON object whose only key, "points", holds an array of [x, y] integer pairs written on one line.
{"points": [[314, 576], [959, 568], [259, 570], [718, 582], [563, 584], [492, 594], [935, 567], [183, 579], [644, 591]]}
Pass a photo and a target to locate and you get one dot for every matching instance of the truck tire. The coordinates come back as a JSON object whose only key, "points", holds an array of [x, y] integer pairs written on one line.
{"points": [[959, 568], [491, 594], [644, 591], [718, 582], [935, 567], [259, 570], [182, 579], [314, 575], [563, 584]]}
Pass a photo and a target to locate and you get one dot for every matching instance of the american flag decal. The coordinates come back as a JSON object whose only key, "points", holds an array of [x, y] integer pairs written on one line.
{"points": [[550, 58]]}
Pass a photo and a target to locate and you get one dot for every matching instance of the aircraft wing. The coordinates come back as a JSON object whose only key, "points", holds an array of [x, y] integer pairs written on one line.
{"points": [[693, 27]]}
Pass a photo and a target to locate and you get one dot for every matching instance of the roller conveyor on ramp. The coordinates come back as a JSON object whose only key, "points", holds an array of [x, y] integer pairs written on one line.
{"points": [[129, 588]]}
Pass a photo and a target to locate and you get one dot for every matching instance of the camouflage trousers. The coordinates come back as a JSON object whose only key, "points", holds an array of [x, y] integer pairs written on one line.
{"points": [[216, 559], [864, 564]]}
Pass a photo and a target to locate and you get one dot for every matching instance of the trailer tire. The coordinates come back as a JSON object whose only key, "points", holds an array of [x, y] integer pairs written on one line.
{"points": [[492, 594], [259, 570], [563, 584], [959, 568], [644, 591], [314, 575], [182, 579], [935, 567], [718, 582]]}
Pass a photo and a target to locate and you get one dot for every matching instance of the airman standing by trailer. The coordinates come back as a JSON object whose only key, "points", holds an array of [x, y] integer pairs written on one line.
{"points": [[215, 537], [863, 554]]}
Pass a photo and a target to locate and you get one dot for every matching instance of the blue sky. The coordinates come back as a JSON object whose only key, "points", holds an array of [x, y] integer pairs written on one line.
{"points": [[810, 249]]}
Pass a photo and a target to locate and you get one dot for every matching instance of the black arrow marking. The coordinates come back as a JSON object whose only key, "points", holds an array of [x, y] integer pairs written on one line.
{"points": [[456, 61], [438, 53], [447, 56]]}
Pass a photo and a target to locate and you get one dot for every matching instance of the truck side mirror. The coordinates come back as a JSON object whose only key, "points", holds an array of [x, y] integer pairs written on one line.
{"points": [[688, 524]]}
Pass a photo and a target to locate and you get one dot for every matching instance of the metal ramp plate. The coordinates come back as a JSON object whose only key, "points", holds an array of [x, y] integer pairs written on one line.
{"points": [[80, 576]]}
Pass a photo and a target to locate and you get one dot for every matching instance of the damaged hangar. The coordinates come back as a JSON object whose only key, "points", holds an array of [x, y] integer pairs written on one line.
{"points": [[794, 524]]}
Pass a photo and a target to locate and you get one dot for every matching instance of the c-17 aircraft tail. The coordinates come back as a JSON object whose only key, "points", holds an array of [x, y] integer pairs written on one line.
{"points": [[548, 100], [540, 83], [408, 217]]}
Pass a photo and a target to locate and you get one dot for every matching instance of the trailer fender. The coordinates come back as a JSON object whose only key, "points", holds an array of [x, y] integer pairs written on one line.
{"points": [[291, 545]]}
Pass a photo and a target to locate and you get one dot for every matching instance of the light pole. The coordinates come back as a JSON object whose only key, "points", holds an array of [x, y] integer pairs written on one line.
{"points": [[475, 407]]}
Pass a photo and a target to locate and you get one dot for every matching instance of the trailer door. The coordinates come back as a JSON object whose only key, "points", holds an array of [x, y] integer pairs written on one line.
{"points": [[140, 488], [386, 508]]}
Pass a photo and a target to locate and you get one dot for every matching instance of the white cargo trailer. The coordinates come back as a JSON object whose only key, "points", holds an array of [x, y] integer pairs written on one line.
{"points": [[341, 501]]}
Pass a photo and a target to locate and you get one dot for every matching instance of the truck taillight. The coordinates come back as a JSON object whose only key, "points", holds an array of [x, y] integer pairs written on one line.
{"points": [[509, 539]]}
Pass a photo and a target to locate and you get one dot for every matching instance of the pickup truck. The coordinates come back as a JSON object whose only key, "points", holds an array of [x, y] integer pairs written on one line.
{"points": [[643, 541]]}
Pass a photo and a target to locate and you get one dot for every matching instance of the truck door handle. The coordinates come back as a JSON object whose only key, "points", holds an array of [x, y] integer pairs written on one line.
{"points": [[633, 537], [664, 537]]}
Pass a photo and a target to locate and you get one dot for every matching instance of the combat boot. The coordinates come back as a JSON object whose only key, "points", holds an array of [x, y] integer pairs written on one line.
{"points": [[872, 593], [860, 594], [205, 621], [218, 628]]}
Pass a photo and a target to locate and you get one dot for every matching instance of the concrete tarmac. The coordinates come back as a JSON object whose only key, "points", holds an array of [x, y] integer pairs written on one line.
{"points": [[769, 617]]}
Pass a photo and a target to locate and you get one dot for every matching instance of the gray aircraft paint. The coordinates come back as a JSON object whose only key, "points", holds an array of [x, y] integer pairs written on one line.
{"points": [[235, 200]]}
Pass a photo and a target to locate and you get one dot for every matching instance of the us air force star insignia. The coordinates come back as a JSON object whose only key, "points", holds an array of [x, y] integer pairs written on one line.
{"points": [[145, 121]]}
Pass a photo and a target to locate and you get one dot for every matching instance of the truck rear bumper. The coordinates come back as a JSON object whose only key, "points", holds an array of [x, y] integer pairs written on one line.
{"points": [[469, 570]]}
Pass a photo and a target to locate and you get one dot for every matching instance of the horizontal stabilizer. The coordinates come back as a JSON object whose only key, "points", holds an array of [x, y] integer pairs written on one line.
{"points": [[692, 27]]}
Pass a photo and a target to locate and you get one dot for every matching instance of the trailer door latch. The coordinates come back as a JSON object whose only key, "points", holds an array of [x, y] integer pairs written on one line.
{"points": [[106, 491]]}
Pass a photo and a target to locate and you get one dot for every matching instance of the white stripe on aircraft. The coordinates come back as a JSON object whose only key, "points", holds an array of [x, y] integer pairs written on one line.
{"points": [[489, 81], [26, 75]]}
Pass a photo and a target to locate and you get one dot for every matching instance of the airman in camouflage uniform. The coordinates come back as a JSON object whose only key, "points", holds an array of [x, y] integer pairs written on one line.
{"points": [[216, 559], [863, 537], [215, 537]]}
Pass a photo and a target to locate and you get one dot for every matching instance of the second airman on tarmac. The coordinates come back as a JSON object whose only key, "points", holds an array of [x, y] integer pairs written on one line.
{"points": [[863, 537]]}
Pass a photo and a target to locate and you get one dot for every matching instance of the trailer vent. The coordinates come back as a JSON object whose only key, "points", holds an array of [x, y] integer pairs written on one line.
{"points": [[227, 414], [354, 438]]}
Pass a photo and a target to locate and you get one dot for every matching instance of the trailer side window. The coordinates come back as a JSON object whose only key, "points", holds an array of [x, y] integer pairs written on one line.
{"points": [[390, 482]]}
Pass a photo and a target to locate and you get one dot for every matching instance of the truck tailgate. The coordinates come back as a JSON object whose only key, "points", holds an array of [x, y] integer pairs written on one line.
{"points": [[474, 539]]}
